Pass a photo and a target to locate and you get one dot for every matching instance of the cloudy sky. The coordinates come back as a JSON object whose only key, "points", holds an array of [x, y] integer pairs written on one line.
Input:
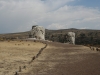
{"points": [[20, 15]]}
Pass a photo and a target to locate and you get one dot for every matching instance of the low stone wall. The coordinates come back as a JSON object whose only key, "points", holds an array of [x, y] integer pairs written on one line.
{"points": [[94, 48], [33, 58]]}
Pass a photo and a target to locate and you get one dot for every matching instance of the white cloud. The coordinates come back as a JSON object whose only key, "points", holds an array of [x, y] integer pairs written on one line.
{"points": [[56, 26], [20, 15], [77, 16]]}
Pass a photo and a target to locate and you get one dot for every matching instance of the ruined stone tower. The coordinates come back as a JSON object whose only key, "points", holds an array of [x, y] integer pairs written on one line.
{"points": [[71, 37], [37, 32]]}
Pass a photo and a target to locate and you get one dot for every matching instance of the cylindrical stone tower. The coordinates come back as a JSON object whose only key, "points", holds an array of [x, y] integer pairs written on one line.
{"points": [[37, 32], [71, 37]]}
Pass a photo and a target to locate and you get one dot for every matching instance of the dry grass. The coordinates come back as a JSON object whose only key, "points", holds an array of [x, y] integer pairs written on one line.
{"points": [[56, 59], [65, 59], [15, 53]]}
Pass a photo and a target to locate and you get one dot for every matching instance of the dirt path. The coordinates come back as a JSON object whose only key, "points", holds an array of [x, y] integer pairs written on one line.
{"points": [[64, 59]]}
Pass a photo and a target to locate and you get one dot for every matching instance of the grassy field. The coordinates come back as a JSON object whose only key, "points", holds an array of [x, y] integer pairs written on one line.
{"points": [[14, 54]]}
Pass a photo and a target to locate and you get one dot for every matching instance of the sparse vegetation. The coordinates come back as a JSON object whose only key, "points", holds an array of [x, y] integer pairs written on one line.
{"points": [[14, 55], [19, 56], [91, 37]]}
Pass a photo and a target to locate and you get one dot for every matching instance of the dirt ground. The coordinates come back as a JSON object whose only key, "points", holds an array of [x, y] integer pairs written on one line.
{"points": [[65, 59], [55, 59], [16, 54]]}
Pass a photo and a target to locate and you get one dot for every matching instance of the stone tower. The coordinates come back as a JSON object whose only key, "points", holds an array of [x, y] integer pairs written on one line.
{"points": [[71, 37], [37, 32]]}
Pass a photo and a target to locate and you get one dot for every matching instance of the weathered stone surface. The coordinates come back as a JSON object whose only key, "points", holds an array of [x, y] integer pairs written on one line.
{"points": [[71, 37], [37, 32]]}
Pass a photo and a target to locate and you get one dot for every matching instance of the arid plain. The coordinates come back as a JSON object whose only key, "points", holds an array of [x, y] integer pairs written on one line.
{"points": [[14, 54], [55, 59]]}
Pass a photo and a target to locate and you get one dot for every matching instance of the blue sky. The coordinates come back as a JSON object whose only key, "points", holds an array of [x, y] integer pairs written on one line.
{"points": [[20, 15], [87, 3]]}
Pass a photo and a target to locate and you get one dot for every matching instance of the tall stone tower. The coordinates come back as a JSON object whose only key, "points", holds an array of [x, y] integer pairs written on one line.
{"points": [[37, 32], [71, 37]]}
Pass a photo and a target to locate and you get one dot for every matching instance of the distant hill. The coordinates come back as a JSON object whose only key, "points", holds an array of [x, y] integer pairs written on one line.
{"points": [[83, 36], [18, 35]]}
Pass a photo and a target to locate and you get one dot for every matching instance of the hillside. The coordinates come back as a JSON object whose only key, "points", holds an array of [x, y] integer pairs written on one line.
{"points": [[83, 36]]}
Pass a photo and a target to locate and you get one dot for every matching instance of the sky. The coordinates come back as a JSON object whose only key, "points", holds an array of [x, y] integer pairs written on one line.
{"points": [[21, 15]]}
